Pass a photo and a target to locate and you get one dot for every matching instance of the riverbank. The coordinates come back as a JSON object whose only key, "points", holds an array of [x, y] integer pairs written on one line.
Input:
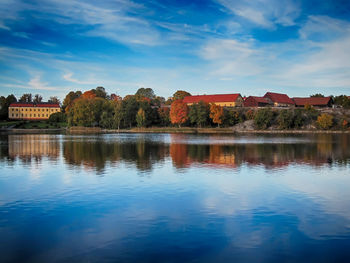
{"points": [[185, 130], [219, 131]]}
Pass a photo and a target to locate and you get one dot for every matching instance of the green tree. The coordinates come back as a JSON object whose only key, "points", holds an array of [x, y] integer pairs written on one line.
{"points": [[180, 95], [342, 101], [55, 100], [37, 98], [145, 93], [164, 115], [263, 118], [141, 118], [106, 120], [199, 113], [27, 97], [57, 117], [299, 118], [4, 105], [100, 92], [317, 95], [130, 109], [118, 114], [285, 119]]}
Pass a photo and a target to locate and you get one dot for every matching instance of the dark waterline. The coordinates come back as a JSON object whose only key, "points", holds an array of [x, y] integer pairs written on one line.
{"points": [[174, 198]]}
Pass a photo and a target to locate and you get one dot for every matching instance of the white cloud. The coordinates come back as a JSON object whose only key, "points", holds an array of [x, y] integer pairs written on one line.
{"points": [[230, 58], [264, 13]]}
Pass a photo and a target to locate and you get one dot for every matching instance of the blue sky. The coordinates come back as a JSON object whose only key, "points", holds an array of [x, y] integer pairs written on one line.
{"points": [[203, 46]]}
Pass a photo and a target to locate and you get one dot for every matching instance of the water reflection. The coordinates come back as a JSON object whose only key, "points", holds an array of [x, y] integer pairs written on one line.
{"points": [[144, 151], [208, 198]]}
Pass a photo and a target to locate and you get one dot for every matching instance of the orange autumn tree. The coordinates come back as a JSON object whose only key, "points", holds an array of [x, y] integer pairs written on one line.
{"points": [[216, 113], [90, 94], [178, 112]]}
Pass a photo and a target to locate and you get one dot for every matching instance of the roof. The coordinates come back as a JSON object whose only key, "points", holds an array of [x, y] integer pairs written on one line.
{"points": [[259, 99], [41, 105], [312, 101], [212, 98], [279, 98]]}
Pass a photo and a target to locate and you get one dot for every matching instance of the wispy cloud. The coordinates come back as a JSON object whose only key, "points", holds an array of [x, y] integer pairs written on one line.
{"points": [[264, 13]]}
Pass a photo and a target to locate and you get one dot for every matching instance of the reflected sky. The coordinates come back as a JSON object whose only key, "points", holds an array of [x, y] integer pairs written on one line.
{"points": [[174, 198]]}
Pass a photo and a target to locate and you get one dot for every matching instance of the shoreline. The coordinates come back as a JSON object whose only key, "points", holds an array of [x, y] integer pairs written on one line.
{"points": [[186, 130]]}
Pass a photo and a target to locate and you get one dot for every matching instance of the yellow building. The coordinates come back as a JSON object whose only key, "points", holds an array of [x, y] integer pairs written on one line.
{"points": [[224, 100], [32, 111]]}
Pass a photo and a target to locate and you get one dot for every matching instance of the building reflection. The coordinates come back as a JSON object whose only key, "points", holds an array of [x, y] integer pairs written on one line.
{"points": [[97, 152], [32, 147], [319, 150]]}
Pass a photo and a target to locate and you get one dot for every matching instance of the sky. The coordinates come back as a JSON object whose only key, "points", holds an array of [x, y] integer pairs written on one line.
{"points": [[51, 47]]}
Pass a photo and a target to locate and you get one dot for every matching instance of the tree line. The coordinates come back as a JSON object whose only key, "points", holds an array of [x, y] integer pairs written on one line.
{"points": [[97, 108]]}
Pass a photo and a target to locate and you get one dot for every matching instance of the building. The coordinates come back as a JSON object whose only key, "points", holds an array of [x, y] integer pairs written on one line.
{"points": [[225, 100], [279, 99], [253, 101], [32, 111], [321, 102]]}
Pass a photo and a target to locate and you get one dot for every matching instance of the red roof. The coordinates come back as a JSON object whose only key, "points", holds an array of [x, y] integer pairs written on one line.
{"points": [[260, 99], [313, 101], [43, 105], [212, 98], [279, 98]]}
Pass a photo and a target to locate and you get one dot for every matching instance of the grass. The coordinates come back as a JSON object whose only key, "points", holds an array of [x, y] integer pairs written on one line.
{"points": [[32, 124]]}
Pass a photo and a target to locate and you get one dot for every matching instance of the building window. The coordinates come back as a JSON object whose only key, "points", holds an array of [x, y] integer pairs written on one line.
{"points": [[34, 115], [47, 115], [47, 109]]}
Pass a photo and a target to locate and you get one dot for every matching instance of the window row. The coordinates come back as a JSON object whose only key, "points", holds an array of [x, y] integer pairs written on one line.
{"points": [[29, 115]]}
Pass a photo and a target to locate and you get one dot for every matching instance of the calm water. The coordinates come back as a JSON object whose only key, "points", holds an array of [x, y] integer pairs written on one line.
{"points": [[174, 198]]}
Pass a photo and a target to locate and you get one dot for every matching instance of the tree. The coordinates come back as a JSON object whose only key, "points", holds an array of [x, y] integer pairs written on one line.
{"points": [[100, 92], [130, 107], [58, 117], [343, 101], [69, 99], [325, 121], [164, 115], [285, 119], [145, 93], [27, 97], [118, 114], [54, 100], [180, 95], [141, 118], [317, 95], [263, 118], [90, 94], [199, 113], [106, 120], [4, 105], [37, 98], [81, 113], [216, 113], [178, 112]]}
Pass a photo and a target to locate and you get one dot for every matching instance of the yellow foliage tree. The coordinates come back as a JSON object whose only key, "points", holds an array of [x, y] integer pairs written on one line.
{"points": [[325, 121], [216, 113]]}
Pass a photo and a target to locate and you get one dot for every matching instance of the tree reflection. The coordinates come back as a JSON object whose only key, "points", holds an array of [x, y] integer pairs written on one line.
{"points": [[97, 152]]}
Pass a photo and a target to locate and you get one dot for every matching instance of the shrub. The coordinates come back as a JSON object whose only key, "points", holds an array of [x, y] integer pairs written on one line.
{"points": [[250, 114], [285, 119], [58, 117], [325, 121], [299, 119], [263, 118]]}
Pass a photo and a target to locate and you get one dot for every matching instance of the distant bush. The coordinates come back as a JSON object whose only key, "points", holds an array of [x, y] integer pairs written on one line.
{"points": [[325, 121], [263, 118], [285, 119], [250, 114], [299, 119], [57, 117]]}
